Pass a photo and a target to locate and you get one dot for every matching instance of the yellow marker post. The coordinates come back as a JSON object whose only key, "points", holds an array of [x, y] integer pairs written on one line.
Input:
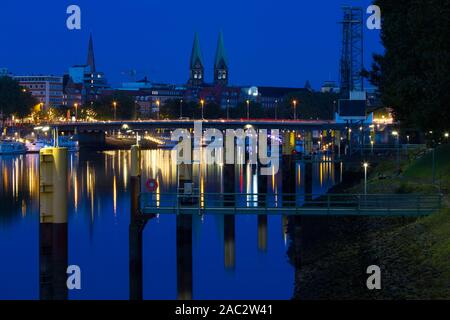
{"points": [[53, 185], [53, 241]]}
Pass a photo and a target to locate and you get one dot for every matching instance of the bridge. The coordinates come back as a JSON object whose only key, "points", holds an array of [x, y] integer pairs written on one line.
{"points": [[187, 124], [404, 205]]}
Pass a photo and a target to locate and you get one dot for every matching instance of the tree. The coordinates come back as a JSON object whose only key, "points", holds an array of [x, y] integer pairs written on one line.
{"points": [[240, 111], [310, 105], [213, 111], [125, 109], [413, 73], [15, 100], [170, 109]]}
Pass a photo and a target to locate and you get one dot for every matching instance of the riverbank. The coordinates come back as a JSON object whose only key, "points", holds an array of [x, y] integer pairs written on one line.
{"points": [[413, 254]]}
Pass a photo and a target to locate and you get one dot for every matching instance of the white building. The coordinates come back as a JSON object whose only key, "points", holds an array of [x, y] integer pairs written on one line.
{"points": [[48, 90]]}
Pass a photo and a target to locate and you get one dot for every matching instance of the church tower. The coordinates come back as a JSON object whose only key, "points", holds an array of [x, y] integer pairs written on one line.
{"points": [[91, 57], [221, 64], [197, 71]]}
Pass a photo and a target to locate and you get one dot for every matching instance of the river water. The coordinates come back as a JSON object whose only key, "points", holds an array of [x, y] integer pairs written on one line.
{"points": [[99, 216]]}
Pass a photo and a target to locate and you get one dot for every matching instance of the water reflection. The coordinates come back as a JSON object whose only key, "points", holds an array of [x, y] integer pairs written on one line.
{"points": [[244, 255]]}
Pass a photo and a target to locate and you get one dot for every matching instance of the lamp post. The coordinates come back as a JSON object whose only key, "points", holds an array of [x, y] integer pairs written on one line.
{"points": [[276, 109], [248, 109], [397, 144], [115, 110], [202, 102], [158, 104], [228, 109], [295, 109], [365, 165], [181, 109], [446, 137]]}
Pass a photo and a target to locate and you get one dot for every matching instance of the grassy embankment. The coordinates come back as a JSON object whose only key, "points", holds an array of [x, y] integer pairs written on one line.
{"points": [[415, 255]]}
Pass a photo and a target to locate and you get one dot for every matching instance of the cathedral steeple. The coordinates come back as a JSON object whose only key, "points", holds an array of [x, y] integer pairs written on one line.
{"points": [[90, 56], [197, 70], [221, 64]]}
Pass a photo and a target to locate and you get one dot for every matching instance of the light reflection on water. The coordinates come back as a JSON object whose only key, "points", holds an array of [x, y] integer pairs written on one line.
{"points": [[249, 263]]}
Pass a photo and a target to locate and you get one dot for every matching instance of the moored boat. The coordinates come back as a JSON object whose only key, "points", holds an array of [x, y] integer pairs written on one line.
{"points": [[8, 147]]}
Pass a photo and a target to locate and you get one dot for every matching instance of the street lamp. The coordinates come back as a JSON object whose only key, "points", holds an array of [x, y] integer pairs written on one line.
{"points": [[276, 109], [446, 137], [158, 104], [181, 109], [295, 109], [365, 165], [228, 109], [202, 102], [76, 111], [248, 109], [397, 144], [115, 110]]}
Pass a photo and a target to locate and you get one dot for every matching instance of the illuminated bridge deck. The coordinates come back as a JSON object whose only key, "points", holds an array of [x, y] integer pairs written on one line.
{"points": [[219, 124], [412, 205]]}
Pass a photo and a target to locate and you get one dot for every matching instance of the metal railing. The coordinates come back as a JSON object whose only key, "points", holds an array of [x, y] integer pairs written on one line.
{"points": [[291, 204]]}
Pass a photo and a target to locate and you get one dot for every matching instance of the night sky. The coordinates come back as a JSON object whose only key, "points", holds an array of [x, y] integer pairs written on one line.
{"points": [[279, 43]]}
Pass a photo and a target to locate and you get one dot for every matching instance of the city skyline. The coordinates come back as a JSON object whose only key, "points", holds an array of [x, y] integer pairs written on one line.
{"points": [[163, 55]]}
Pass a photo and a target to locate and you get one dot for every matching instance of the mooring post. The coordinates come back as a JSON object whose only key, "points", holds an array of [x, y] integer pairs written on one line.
{"points": [[137, 225], [184, 232], [53, 243], [135, 176], [262, 218], [229, 219], [184, 256]]}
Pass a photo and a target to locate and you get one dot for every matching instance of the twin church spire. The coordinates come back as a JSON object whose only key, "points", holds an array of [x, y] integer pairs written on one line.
{"points": [[197, 70]]}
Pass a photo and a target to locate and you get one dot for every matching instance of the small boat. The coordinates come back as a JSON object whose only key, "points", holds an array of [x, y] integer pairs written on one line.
{"points": [[12, 147], [35, 146]]}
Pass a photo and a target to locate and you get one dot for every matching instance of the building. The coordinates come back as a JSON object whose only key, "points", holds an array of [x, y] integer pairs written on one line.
{"points": [[73, 92], [196, 67], [270, 97], [330, 87], [149, 96], [48, 90], [220, 64], [4, 72], [85, 78]]}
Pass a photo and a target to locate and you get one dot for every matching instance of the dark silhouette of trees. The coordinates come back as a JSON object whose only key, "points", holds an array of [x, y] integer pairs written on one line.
{"points": [[15, 100], [413, 73]]}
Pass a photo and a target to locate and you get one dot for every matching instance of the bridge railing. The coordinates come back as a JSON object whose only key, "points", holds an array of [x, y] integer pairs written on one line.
{"points": [[301, 204]]}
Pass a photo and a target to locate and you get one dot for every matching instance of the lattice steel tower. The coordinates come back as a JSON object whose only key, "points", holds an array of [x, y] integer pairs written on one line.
{"points": [[352, 63]]}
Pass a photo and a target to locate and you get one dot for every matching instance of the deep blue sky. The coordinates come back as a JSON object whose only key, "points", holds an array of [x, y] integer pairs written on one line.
{"points": [[268, 42]]}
